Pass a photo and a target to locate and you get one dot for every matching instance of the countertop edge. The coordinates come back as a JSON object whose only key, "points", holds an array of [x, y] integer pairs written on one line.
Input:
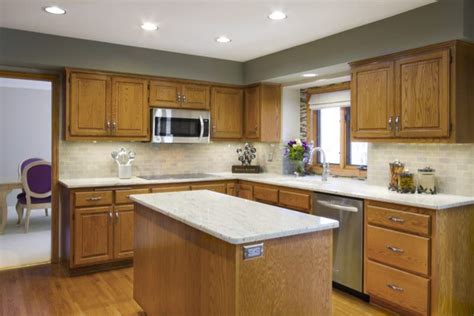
{"points": [[236, 241]]}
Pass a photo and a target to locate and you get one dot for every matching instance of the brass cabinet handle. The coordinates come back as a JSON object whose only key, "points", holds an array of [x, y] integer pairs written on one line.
{"points": [[390, 123], [107, 125], [178, 98], [117, 217], [114, 125], [395, 288], [214, 128], [184, 99], [94, 198], [110, 217], [396, 219], [395, 249]]}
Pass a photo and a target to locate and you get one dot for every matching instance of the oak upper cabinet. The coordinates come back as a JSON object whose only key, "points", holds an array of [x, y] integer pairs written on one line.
{"points": [[130, 113], [106, 106], [89, 100], [262, 113], [372, 110], [93, 235], [422, 95], [123, 232], [170, 94], [226, 113]]}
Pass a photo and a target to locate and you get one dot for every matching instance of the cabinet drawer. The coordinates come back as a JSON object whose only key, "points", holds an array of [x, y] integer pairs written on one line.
{"points": [[171, 189], [220, 188], [122, 196], [296, 200], [93, 198], [265, 194], [397, 287], [405, 221], [401, 250]]}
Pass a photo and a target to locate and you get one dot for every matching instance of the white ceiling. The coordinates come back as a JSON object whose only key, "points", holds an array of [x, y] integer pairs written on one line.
{"points": [[190, 26]]}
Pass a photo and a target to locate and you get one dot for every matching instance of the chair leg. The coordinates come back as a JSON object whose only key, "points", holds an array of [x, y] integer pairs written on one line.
{"points": [[27, 219], [19, 211], [46, 211]]}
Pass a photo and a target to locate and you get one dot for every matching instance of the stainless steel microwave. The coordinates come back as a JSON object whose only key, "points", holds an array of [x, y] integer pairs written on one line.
{"points": [[180, 126]]}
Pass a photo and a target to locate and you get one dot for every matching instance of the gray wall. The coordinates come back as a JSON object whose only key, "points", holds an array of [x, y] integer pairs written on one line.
{"points": [[469, 19], [430, 24], [25, 129], [36, 50]]}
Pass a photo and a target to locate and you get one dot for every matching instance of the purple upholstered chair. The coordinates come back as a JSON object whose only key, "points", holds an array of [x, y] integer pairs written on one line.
{"points": [[36, 181]]}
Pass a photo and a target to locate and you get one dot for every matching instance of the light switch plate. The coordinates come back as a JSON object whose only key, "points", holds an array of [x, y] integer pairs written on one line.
{"points": [[253, 251]]}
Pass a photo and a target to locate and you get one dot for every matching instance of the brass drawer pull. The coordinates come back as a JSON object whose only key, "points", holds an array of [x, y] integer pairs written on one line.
{"points": [[396, 219], [94, 198], [395, 288], [395, 249], [117, 217]]}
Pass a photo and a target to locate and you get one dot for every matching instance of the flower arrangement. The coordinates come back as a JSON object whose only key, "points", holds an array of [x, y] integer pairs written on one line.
{"points": [[298, 151]]}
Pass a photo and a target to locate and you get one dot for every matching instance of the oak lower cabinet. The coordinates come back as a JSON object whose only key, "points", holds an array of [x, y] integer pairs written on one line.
{"points": [[102, 106], [262, 113], [418, 261], [226, 113], [417, 95], [93, 235], [123, 231], [173, 94]]}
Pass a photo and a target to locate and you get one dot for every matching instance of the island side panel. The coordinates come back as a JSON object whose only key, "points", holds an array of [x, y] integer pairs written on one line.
{"points": [[453, 262], [294, 277], [179, 270]]}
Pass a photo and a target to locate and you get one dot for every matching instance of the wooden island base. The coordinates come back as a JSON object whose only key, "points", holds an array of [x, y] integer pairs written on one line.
{"points": [[179, 270]]}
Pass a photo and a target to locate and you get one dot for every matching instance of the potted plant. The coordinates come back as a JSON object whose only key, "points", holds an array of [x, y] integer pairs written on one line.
{"points": [[298, 152]]}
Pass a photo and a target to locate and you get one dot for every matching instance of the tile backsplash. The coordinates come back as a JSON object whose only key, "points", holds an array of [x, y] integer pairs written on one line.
{"points": [[87, 159], [454, 164]]}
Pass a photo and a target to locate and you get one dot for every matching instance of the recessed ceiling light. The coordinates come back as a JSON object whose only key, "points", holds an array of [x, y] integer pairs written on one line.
{"points": [[277, 15], [54, 10], [309, 75], [223, 39], [147, 26]]}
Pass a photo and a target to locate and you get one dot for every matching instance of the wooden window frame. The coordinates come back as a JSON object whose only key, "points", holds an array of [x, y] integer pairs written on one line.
{"points": [[343, 169]]}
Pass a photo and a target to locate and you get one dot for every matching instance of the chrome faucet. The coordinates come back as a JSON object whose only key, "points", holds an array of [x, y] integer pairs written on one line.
{"points": [[325, 173]]}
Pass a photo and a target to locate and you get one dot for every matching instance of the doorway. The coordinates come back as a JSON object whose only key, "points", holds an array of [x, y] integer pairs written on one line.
{"points": [[29, 135]]}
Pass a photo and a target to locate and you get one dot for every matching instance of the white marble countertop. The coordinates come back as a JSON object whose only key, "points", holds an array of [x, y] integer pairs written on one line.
{"points": [[338, 186], [234, 220]]}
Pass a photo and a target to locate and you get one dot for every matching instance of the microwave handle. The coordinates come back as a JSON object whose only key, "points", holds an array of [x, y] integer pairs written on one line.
{"points": [[201, 120]]}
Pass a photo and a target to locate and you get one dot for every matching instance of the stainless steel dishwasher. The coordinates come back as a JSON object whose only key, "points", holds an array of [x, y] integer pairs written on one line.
{"points": [[347, 239]]}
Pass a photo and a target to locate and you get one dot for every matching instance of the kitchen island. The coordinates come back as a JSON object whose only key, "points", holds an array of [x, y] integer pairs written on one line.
{"points": [[205, 253]]}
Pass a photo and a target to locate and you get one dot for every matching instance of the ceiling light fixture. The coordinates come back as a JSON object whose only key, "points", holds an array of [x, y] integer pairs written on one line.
{"points": [[277, 15], [309, 75], [54, 10], [223, 39], [147, 26]]}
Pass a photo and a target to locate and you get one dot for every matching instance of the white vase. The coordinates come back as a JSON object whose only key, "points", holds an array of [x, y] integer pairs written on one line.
{"points": [[125, 171]]}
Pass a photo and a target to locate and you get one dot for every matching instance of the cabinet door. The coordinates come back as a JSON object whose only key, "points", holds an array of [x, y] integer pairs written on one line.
{"points": [[372, 112], [245, 191], [226, 112], [165, 94], [93, 235], [422, 95], [123, 232], [130, 113], [252, 113], [89, 104], [270, 113], [231, 189], [196, 97]]}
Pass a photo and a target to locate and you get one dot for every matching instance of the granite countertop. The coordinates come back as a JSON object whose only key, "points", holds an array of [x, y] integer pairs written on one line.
{"points": [[339, 186], [234, 220]]}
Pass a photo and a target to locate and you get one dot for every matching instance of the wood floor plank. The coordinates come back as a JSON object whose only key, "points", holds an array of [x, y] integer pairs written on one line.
{"points": [[46, 290]]}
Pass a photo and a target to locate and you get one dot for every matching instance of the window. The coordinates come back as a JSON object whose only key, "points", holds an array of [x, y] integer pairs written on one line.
{"points": [[330, 130]]}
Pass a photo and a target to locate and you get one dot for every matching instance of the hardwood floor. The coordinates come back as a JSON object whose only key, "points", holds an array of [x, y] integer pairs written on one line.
{"points": [[46, 290]]}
